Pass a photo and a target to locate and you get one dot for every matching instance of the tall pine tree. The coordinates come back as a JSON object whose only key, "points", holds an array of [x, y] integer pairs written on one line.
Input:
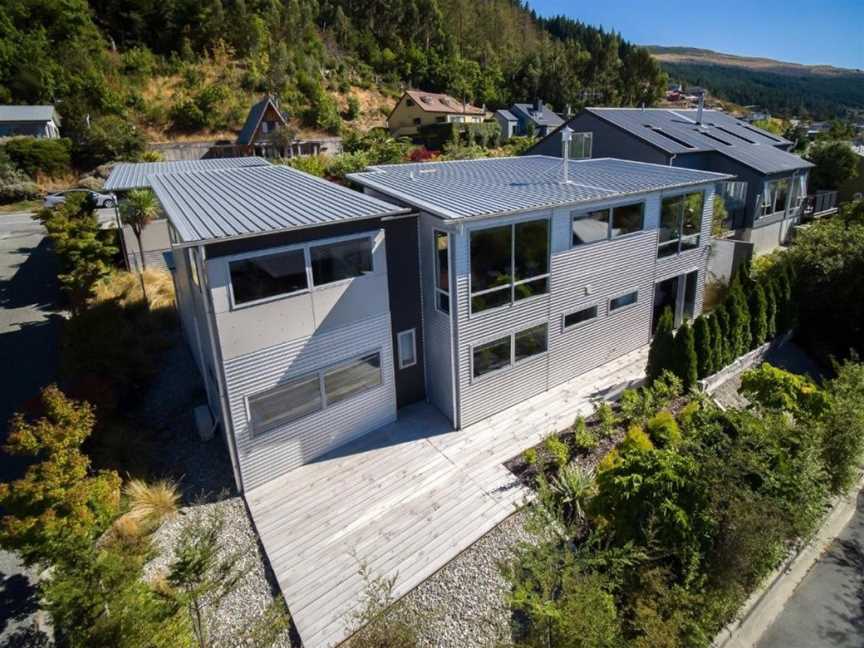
{"points": [[758, 315], [718, 343], [661, 352], [704, 346], [686, 362]]}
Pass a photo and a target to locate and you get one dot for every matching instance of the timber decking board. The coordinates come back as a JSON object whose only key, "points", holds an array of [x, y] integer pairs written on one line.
{"points": [[405, 499]]}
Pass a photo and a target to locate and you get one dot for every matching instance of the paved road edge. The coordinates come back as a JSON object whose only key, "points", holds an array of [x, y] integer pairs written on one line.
{"points": [[765, 604]]}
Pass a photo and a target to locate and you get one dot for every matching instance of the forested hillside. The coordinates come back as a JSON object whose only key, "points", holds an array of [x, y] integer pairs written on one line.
{"points": [[191, 66], [787, 89]]}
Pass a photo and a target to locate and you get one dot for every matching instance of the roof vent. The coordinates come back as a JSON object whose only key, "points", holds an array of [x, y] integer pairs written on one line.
{"points": [[566, 138], [699, 109]]}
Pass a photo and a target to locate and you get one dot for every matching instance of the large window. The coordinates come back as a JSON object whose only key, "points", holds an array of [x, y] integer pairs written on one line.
{"points": [[343, 260], [285, 403], [313, 392], [352, 378], [680, 223], [603, 224], [267, 276], [507, 350], [775, 196], [509, 263], [580, 316], [442, 272]]}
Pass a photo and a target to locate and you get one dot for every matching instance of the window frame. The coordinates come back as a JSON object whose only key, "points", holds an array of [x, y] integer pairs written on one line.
{"points": [[322, 392], [512, 301], [307, 260], [625, 307], [565, 327], [681, 239], [413, 333], [511, 336], [437, 272], [578, 214]]}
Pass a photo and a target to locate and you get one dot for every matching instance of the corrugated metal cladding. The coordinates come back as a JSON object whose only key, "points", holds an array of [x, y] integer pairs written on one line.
{"points": [[208, 206], [436, 326], [718, 132], [276, 452], [137, 175], [580, 277], [490, 186]]}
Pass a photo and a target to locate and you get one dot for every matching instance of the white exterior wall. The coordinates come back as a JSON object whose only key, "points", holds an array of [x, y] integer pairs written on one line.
{"points": [[265, 344], [580, 277]]}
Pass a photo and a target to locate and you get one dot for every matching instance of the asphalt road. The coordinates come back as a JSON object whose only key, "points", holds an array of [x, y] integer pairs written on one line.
{"points": [[827, 609]]}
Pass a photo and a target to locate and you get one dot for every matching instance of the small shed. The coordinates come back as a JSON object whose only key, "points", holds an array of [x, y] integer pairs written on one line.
{"points": [[35, 121], [263, 120]]}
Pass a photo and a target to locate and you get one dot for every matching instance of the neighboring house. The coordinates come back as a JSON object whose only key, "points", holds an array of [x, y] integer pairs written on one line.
{"points": [[854, 187], [417, 108], [536, 118], [769, 193], [315, 312], [155, 238], [36, 121], [263, 120]]}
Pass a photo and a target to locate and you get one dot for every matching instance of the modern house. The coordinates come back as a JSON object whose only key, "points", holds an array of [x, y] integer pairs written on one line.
{"points": [[35, 121], [417, 108], [526, 119], [155, 239], [769, 192], [316, 312]]}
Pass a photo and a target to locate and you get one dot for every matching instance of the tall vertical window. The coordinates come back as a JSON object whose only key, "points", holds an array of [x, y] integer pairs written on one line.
{"points": [[680, 223], [775, 196], [442, 272], [509, 263]]}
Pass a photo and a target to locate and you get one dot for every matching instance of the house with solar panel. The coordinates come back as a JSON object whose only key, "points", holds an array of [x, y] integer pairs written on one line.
{"points": [[769, 194], [317, 314]]}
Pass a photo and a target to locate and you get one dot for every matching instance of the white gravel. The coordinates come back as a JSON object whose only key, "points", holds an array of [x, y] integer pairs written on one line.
{"points": [[253, 594], [463, 605]]}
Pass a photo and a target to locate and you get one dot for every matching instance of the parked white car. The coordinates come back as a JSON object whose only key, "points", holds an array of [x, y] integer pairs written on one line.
{"points": [[107, 200]]}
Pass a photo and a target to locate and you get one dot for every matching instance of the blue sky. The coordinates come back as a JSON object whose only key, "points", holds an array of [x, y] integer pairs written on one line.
{"points": [[802, 31]]}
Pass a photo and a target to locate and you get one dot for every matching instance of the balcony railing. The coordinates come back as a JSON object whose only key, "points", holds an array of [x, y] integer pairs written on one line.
{"points": [[821, 203]]}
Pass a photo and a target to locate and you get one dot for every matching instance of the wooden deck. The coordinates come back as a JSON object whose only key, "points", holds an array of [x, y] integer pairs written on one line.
{"points": [[405, 500]]}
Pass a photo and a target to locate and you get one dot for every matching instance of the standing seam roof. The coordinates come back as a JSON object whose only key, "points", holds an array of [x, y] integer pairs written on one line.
{"points": [[467, 188], [212, 205], [127, 176]]}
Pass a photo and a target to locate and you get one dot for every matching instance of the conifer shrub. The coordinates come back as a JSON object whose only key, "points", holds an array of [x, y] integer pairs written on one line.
{"points": [[662, 350], [686, 361], [704, 346], [558, 450], [607, 419], [663, 429], [636, 439], [718, 343], [758, 316], [583, 438]]}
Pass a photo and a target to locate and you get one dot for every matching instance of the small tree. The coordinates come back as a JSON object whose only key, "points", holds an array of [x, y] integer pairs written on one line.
{"points": [[835, 162], [739, 319], [138, 210], [718, 343], [59, 505], [686, 361], [725, 343], [661, 351], [353, 111], [758, 315], [705, 347]]}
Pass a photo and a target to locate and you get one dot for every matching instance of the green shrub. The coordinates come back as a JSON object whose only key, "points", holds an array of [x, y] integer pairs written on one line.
{"points": [[313, 164], [15, 185], [758, 305], [662, 351], [663, 429], [636, 405], [843, 427], [636, 439], [187, 117], [558, 450], [704, 346], [571, 489], [664, 390], [718, 342], [353, 111], [530, 456], [51, 157], [583, 438], [686, 362], [607, 419], [783, 391], [109, 138]]}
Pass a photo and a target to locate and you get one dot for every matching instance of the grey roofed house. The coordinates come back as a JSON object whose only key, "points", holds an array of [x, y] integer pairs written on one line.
{"points": [[37, 121], [544, 118], [264, 117], [764, 201]]}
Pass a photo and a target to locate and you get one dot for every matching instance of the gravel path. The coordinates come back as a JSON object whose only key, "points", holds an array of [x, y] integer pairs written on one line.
{"points": [[255, 591], [463, 604]]}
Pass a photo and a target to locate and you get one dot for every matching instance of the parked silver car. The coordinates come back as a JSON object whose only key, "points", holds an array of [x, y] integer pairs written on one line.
{"points": [[107, 200]]}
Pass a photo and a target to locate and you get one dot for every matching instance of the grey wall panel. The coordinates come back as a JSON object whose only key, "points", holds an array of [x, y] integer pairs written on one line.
{"points": [[275, 452], [436, 326]]}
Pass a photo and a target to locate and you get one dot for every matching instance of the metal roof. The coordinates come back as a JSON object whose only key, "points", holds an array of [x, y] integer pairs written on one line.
{"points": [[209, 206], [506, 114], [28, 113], [547, 118], [467, 188], [132, 175], [438, 102], [676, 131]]}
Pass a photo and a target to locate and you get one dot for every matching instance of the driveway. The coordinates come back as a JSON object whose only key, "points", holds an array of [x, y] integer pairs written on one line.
{"points": [[28, 343], [827, 609]]}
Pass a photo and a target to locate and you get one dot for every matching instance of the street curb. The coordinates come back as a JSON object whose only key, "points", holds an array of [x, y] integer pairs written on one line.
{"points": [[763, 606]]}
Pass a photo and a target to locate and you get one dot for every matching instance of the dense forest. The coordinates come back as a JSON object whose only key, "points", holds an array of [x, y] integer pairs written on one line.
{"points": [[787, 95], [194, 65]]}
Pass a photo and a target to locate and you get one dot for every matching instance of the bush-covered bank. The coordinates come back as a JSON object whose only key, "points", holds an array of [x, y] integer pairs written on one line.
{"points": [[687, 514]]}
